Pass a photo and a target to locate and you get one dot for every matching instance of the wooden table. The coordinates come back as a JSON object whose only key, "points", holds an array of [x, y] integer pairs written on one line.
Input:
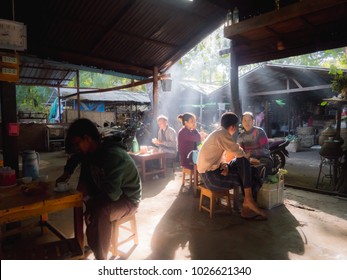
{"points": [[144, 158], [15, 206]]}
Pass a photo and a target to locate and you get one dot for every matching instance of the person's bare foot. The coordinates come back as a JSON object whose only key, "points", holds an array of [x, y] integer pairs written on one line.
{"points": [[250, 206]]}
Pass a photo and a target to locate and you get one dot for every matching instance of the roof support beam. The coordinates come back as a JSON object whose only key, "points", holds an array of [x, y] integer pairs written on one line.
{"points": [[155, 92], [8, 105], [276, 16], [297, 83], [290, 90], [44, 79], [132, 84], [234, 83], [78, 58]]}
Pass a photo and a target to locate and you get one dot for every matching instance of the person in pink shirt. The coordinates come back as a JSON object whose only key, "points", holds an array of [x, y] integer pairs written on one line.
{"points": [[188, 139]]}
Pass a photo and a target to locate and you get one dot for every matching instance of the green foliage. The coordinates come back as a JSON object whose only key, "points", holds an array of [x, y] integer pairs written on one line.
{"points": [[271, 179], [339, 82], [292, 138], [318, 59], [32, 98], [98, 80], [280, 102], [204, 63]]}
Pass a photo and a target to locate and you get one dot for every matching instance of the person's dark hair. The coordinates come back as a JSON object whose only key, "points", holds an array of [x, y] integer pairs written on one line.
{"points": [[81, 128], [185, 117], [229, 119]]}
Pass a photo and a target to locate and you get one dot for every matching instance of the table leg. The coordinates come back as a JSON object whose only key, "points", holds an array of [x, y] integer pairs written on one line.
{"points": [[1, 242], [164, 165], [78, 225], [43, 222], [143, 169]]}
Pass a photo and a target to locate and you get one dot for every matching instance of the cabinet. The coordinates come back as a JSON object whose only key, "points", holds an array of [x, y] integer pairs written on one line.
{"points": [[55, 137]]}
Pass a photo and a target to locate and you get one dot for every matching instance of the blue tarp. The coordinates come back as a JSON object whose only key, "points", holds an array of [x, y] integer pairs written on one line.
{"points": [[53, 113], [92, 106]]}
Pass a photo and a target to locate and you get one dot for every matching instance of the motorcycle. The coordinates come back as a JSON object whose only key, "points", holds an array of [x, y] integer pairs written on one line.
{"points": [[278, 154]]}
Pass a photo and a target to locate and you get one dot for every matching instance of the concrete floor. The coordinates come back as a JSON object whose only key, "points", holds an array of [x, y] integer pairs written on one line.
{"points": [[308, 226]]}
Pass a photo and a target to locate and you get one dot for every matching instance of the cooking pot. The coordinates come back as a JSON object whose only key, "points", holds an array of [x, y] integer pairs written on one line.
{"points": [[331, 149], [325, 134]]}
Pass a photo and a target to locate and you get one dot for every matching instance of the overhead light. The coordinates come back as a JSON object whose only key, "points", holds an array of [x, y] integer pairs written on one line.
{"points": [[166, 82]]}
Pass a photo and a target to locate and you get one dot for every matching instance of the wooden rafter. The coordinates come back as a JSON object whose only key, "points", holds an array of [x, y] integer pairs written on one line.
{"points": [[276, 16], [273, 92], [78, 58]]}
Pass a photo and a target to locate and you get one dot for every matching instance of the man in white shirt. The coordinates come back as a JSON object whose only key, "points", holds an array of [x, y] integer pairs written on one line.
{"points": [[167, 138], [218, 174]]}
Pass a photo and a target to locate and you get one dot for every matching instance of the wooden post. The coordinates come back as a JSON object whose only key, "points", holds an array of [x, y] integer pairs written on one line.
{"points": [[234, 83], [155, 92], [200, 120], [10, 148], [338, 120], [266, 119], [78, 94], [59, 104]]}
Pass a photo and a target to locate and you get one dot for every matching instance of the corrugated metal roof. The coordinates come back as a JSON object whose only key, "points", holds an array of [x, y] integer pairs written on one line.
{"points": [[46, 73], [110, 96], [114, 96], [133, 36], [126, 36], [274, 79], [205, 89]]}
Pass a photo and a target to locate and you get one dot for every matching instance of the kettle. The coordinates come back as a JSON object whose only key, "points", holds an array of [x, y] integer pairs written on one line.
{"points": [[31, 163]]}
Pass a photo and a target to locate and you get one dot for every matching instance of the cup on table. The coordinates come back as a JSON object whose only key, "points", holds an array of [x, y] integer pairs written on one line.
{"points": [[150, 149], [62, 187], [143, 150], [26, 180]]}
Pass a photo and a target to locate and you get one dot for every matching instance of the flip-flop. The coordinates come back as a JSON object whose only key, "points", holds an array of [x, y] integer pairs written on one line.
{"points": [[255, 218]]}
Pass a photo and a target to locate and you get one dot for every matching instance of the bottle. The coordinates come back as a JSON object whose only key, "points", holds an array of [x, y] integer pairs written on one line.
{"points": [[135, 145], [229, 18], [236, 15]]}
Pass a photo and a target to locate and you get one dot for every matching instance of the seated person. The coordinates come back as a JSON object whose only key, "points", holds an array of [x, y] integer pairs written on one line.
{"points": [[109, 181], [188, 139], [255, 143], [167, 138], [218, 174]]}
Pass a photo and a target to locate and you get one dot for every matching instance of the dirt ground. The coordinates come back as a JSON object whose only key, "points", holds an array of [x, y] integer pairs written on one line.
{"points": [[308, 226]]}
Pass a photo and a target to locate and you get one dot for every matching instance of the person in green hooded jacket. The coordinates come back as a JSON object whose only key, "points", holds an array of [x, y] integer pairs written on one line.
{"points": [[109, 181]]}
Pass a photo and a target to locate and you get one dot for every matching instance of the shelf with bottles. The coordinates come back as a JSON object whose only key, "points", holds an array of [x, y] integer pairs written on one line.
{"points": [[232, 17]]}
